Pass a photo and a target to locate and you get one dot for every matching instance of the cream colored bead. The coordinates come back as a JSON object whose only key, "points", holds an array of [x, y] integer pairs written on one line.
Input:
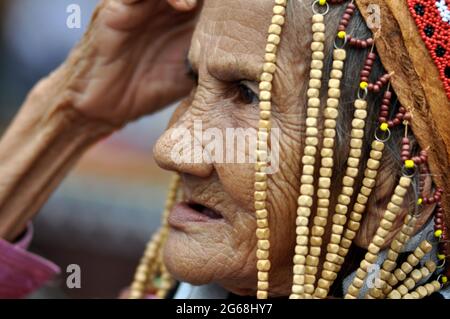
{"points": [[353, 162], [262, 223], [361, 199], [305, 200], [262, 233], [316, 65], [337, 229], [357, 133], [308, 160], [358, 208], [307, 179], [315, 74], [336, 74], [299, 258], [275, 29], [327, 162], [303, 211], [263, 276], [278, 19], [334, 83], [302, 231], [356, 143], [318, 55], [262, 254], [270, 57], [274, 39], [358, 123], [330, 113], [311, 131], [317, 18], [260, 205], [405, 182], [263, 265], [317, 46], [425, 246], [329, 123], [324, 182], [378, 146], [320, 221], [360, 114], [313, 93], [334, 93], [397, 200], [338, 65], [325, 172], [339, 219], [323, 202], [260, 195], [263, 244], [311, 122], [318, 27], [315, 83], [339, 54], [374, 249], [332, 102], [266, 77], [312, 112], [328, 142], [261, 213], [323, 193], [308, 170], [326, 152], [279, 10], [373, 164], [319, 37], [341, 209], [356, 217], [317, 231], [316, 241], [269, 67]]}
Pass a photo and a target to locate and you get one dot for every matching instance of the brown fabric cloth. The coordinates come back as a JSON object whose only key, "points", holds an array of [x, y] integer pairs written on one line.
{"points": [[417, 84]]}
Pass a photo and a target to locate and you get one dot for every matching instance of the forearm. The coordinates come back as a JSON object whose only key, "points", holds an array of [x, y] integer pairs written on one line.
{"points": [[37, 151]]}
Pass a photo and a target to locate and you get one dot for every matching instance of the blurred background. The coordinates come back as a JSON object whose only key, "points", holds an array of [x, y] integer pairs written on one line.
{"points": [[104, 212]]}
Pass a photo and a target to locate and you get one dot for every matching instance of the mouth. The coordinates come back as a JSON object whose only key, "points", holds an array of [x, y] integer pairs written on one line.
{"points": [[191, 211]]}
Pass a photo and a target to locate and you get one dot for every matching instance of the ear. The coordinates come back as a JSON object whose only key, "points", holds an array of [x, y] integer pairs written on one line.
{"points": [[376, 206]]}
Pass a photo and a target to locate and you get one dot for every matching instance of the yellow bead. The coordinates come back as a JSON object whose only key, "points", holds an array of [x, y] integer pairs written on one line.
{"points": [[441, 256], [438, 233], [363, 85], [409, 164], [322, 2], [384, 127], [341, 34], [420, 201], [444, 279]]}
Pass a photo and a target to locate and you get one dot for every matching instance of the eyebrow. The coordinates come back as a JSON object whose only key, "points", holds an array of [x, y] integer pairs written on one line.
{"points": [[228, 67]]}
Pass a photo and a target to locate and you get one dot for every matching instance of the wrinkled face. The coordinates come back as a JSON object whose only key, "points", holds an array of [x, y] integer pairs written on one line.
{"points": [[212, 235]]}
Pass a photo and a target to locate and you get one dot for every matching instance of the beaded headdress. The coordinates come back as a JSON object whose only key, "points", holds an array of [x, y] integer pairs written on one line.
{"points": [[409, 30]]}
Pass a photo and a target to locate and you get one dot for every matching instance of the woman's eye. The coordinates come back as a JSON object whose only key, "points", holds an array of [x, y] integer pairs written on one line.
{"points": [[247, 95]]}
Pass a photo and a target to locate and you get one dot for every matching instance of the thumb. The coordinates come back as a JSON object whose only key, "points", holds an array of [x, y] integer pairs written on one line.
{"points": [[183, 5]]}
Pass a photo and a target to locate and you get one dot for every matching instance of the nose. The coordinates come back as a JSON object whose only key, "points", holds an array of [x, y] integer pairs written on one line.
{"points": [[180, 150]]}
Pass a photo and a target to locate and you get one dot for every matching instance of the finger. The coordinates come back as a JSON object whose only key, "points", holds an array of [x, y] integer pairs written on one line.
{"points": [[183, 5]]}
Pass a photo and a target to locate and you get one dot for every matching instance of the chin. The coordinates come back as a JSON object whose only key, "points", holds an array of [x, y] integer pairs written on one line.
{"points": [[205, 257]]}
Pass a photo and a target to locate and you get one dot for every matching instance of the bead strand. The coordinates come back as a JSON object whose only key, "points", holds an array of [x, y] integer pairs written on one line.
{"points": [[391, 259], [377, 242], [260, 194], [424, 290], [339, 217], [305, 198], [148, 265], [326, 170], [413, 260], [412, 280]]}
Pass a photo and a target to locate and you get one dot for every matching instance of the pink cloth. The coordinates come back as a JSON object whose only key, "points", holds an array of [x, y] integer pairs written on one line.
{"points": [[22, 272]]}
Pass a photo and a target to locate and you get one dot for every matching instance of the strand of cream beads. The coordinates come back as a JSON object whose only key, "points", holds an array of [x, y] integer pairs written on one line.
{"points": [[151, 261], [391, 259], [378, 240], [424, 290], [260, 194], [305, 198], [323, 192], [333, 258], [400, 274], [412, 280]]}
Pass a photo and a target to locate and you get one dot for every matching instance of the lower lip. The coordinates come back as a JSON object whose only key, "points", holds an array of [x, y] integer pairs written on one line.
{"points": [[182, 214]]}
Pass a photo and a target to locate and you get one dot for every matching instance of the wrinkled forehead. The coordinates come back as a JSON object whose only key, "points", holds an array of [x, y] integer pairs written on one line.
{"points": [[233, 33]]}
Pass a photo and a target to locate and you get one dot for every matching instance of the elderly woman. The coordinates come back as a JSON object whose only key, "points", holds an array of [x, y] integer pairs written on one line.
{"points": [[351, 195]]}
